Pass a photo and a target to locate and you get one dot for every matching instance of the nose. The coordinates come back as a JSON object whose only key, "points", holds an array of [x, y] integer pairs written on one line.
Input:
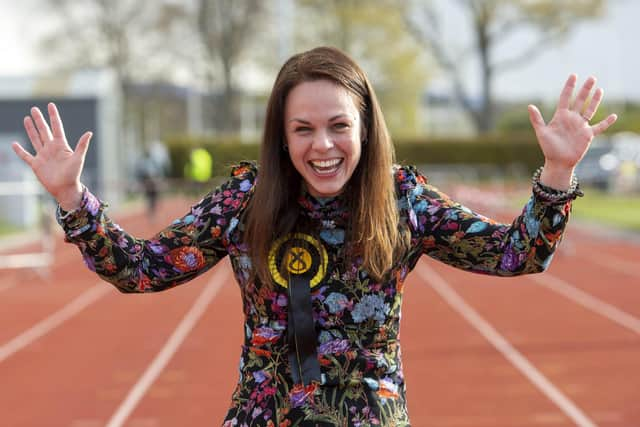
{"points": [[322, 141]]}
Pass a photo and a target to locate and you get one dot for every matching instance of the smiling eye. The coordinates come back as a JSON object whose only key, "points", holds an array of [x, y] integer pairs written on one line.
{"points": [[341, 126]]}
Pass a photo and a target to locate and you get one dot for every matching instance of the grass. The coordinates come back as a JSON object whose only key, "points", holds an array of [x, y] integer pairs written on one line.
{"points": [[615, 210], [620, 211]]}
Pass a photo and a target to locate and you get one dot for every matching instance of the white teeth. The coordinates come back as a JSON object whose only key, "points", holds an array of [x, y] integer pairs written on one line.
{"points": [[326, 163]]}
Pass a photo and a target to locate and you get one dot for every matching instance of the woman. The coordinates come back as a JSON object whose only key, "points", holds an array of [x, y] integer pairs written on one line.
{"points": [[321, 239]]}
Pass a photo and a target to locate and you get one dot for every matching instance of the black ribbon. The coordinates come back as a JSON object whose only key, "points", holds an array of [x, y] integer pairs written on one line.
{"points": [[303, 358]]}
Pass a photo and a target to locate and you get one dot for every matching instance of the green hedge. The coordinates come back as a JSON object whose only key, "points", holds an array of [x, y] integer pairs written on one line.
{"points": [[501, 151]]}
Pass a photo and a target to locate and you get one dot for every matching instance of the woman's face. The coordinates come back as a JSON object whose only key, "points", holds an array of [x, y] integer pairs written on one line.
{"points": [[323, 134]]}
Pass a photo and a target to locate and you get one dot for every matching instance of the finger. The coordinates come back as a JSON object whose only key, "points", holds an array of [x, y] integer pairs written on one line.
{"points": [[83, 144], [56, 122], [604, 124], [41, 125], [592, 107], [535, 117], [583, 94], [22, 153], [33, 134], [567, 91]]}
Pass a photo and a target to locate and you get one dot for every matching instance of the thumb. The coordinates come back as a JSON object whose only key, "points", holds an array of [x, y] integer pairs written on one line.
{"points": [[535, 117], [83, 144]]}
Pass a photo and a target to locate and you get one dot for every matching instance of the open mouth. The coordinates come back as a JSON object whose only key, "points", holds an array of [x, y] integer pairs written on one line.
{"points": [[326, 166]]}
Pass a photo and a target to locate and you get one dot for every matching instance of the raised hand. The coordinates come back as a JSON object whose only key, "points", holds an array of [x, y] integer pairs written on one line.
{"points": [[566, 138], [55, 164]]}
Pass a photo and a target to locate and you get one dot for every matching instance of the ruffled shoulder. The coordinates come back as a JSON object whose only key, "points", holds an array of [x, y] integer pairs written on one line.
{"points": [[407, 177], [245, 170], [242, 182]]}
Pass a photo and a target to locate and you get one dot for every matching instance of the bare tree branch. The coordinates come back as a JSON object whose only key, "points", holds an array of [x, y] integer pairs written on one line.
{"points": [[527, 54], [494, 21]]}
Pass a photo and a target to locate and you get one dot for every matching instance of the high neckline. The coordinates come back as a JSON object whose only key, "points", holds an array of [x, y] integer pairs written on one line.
{"points": [[323, 208]]}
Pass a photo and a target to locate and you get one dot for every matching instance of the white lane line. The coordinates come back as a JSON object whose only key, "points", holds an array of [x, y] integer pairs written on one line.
{"points": [[627, 267], [171, 346], [588, 301], [45, 326], [503, 346]]}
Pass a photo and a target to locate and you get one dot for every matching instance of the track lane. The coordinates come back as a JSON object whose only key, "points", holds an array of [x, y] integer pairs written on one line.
{"points": [[80, 371], [195, 387], [455, 377], [75, 372], [173, 344], [29, 297], [608, 284], [574, 347]]}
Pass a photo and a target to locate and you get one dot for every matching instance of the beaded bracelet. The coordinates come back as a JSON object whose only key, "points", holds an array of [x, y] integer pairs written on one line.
{"points": [[549, 194]]}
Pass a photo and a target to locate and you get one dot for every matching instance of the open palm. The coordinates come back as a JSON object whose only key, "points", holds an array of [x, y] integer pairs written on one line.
{"points": [[55, 164], [566, 138]]}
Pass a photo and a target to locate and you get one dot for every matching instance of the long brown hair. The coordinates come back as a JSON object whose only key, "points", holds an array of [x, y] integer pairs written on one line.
{"points": [[273, 210]]}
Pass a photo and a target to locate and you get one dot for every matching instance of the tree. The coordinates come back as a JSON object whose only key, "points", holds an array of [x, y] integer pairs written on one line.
{"points": [[130, 37], [374, 33], [116, 34], [225, 27], [491, 23]]}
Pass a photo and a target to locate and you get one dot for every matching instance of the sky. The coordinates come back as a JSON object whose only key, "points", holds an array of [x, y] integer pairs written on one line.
{"points": [[606, 48]]}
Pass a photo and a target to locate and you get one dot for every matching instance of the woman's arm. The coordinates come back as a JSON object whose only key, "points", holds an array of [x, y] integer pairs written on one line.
{"points": [[188, 247], [454, 234]]}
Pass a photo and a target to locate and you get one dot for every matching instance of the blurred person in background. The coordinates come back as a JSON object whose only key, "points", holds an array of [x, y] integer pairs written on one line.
{"points": [[321, 237], [152, 168], [149, 174]]}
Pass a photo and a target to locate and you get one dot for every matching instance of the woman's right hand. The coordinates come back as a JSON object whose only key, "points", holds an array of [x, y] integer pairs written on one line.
{"points": [[55, 164]]}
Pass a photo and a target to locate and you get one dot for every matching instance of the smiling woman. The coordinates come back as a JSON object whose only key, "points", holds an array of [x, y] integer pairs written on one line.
{"points": [[321, 238], [323, 135]]}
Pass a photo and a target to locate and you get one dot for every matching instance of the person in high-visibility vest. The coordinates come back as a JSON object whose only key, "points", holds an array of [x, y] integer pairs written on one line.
{"points": [[199, 166]]}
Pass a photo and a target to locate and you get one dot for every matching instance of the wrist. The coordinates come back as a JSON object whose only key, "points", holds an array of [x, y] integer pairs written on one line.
{"points": [[71, 198], [547, 194], [557, 177]]}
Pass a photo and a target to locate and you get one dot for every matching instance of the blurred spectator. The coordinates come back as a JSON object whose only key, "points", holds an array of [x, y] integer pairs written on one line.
{"points": [[160, 155], [150, 170]]}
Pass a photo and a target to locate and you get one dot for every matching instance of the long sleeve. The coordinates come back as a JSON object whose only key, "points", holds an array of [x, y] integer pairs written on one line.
{"points": [[452, 233], [186, 248]]}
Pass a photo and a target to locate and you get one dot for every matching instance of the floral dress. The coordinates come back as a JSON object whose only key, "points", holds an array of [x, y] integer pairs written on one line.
{"points": [[356, 318]]}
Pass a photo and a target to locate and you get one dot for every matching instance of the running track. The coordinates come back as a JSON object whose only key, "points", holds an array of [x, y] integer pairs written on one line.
{"points": [[558, 349]]}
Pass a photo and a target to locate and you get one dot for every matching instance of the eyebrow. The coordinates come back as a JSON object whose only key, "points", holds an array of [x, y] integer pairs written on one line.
{"points": [[331, 119]]}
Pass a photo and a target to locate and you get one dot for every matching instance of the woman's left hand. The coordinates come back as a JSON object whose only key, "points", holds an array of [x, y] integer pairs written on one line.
{"points": [[566, 138]]}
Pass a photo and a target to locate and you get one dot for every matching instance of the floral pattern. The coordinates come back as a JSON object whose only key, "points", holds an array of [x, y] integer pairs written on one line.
{"points": [[357, 318]]}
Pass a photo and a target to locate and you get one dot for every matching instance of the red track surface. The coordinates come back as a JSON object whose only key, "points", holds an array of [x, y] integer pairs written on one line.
{"points": [[79, 373]]}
